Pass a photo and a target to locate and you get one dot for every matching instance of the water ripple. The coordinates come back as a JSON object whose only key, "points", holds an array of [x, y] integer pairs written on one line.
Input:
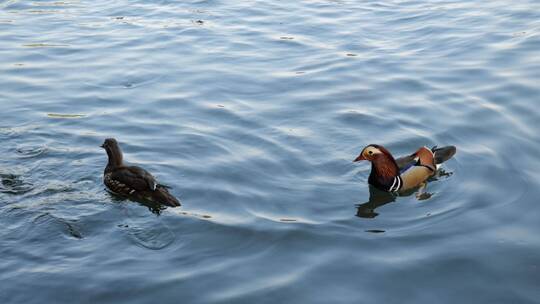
{"points": [[252, 112]]}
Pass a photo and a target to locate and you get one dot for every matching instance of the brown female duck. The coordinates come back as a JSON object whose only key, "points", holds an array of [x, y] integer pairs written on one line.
{"points": [[395, 175], [131, 181]]}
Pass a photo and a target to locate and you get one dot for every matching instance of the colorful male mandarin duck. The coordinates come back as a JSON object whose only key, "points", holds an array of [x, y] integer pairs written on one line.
{"points": [[395, 175], [131, 181]]}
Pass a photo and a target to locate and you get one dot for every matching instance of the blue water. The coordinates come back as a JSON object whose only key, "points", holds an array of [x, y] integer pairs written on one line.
{"points": [[253, 112]]}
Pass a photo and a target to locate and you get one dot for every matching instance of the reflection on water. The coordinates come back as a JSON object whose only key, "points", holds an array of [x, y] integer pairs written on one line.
{"points": [[252, 111], [378, 198], [152, 207]]}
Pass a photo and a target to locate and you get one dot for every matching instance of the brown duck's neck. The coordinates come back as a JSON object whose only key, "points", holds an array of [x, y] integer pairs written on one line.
{"points": [[384, 167], [115, 157]]}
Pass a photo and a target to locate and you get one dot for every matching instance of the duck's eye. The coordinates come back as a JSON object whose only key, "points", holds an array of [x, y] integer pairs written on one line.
{"points": [[370, 152]]}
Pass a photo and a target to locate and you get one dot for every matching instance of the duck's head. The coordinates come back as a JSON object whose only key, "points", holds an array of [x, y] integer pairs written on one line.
{"points": [[383, 164], [373, 152], [113, 151], [109, 143]]}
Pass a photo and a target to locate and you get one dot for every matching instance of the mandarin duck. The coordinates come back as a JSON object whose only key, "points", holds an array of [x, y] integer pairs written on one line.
{"points": [[131, 181], [405, 173]]}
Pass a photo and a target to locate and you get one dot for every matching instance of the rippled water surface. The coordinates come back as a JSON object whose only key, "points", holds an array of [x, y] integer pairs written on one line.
{"points": [[253, 112]]}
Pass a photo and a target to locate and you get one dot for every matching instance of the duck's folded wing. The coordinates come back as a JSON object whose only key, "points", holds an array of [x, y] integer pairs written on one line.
{"points": [[443, 154], [136, 178], [414, 176], [405, 162]]}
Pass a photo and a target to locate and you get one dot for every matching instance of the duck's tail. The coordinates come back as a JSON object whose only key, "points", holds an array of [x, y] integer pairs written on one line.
{"points": [[443, 154], [161, 195]]}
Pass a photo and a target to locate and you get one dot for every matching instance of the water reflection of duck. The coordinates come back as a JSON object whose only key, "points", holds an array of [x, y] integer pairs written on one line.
{"points": [[405, 173], [378, 198], [131, 181]]}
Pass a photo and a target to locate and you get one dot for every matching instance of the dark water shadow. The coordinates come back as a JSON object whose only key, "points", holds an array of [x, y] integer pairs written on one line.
{"points": [[152, 206], [14, 184], [378, 198], [69, 226]]}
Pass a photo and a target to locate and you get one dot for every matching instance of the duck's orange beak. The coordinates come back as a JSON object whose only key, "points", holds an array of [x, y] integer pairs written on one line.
{"points": [[359, 158]]}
